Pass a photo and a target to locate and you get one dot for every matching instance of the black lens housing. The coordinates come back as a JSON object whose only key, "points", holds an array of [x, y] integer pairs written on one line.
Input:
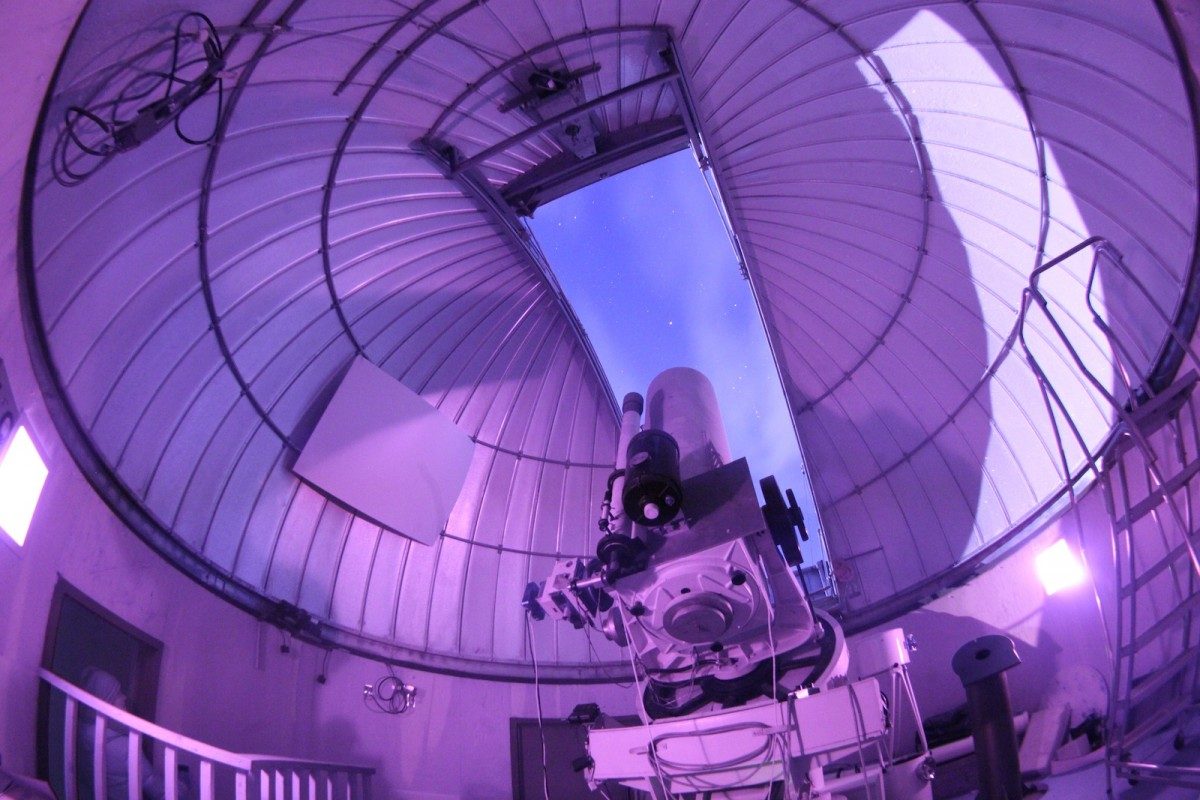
{"points": [[653, 492]]}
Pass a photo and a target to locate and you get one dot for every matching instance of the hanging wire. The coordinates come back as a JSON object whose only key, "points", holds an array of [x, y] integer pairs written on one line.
{"points": [[537, 696], [641, 698], [323, 676], [390, 694], [587, 632], [860, 738], [783, 741], [214, 59], [93, 134]]}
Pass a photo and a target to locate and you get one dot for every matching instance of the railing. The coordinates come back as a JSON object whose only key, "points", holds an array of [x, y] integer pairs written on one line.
{"points": [[1149, 472], [260, 776]]}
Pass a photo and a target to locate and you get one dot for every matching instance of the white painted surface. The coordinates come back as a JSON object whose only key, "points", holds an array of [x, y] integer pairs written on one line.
{"points": [[385, 452], [22, 476], [273, 701]]}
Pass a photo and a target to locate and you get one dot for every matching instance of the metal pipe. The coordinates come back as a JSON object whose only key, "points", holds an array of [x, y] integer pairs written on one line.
{"points": [[980, 665], [949, 751]]}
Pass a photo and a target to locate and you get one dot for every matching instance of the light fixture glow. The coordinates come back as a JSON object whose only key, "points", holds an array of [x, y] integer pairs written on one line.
{"points": [[1058, 568], [22, 476]]}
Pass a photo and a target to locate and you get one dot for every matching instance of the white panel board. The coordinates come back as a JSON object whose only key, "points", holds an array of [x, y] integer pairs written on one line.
{"points": [[385, 452]]}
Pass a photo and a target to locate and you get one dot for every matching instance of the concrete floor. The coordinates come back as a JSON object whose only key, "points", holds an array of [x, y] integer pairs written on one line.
{"points": [[1090, 783]]}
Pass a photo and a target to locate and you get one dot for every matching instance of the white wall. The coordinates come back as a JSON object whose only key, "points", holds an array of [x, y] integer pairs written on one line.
{"points": [[1060, 639], [30, 38], [224, 679]]}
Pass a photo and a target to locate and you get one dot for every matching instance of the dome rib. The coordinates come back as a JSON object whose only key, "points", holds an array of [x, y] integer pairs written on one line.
{"points": [[893, 172]]}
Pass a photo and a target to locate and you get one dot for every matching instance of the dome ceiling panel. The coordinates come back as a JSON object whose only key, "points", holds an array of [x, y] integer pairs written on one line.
{"points": [[241, 494], [935, 77], [353, 578], [323, 561], [388, 557], [894, 170], [447, 302], [290, 548]]}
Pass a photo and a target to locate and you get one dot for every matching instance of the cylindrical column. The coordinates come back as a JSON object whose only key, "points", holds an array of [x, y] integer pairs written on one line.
{"points": [[681, 401], [980, 665], [881, 652]]}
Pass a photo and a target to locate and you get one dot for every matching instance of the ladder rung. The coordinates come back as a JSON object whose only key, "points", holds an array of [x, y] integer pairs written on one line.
{"points": [[1161, 625], [1153, 414], [1151, 572], [1158, 720], [1155, 498], [1159, 678]]}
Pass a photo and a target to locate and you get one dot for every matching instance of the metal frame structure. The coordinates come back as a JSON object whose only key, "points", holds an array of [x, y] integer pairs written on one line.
{"points": [[1151, 459], [387, 46]]}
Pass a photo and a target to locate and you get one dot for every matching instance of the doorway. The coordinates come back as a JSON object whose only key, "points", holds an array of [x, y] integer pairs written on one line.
{"points": [[565, 743], [80, 633]]}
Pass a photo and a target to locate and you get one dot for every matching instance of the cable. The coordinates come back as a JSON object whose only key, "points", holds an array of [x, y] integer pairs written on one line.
{"points": [[650, 756], [91, 135], [770, 628], [214, 53], [99, 120], [390, 694], [537, 696], [587, 632], [716, 765], [323, 677], [860, 735], [786, 747]]}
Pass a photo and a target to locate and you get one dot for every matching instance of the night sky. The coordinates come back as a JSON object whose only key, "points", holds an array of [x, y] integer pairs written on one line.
{"points": [[644, 259]]}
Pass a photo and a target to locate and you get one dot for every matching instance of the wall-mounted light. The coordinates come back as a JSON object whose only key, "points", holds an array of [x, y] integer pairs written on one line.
{"points": [[22, 476], [1058, 568]]}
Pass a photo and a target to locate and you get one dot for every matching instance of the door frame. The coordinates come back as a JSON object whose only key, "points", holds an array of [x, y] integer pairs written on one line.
{"points": [[143, 693]]}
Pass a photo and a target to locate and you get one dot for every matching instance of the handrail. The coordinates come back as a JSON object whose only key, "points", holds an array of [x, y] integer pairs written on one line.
{"points": [[275, 777], [147, 728], [272, 762]]}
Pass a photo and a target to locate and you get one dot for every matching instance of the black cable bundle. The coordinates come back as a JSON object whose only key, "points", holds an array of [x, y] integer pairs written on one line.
{"points": [[106, 128], [390, 695]]}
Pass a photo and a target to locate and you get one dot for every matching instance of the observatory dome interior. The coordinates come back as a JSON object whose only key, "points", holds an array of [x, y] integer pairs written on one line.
{"points": [[969, 230]]}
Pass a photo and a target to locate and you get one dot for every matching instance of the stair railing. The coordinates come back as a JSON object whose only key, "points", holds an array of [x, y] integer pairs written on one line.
{"points": [[263, 777]]}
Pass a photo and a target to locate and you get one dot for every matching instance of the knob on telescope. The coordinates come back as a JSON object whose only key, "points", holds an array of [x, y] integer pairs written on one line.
{"points": [[619, 555], [784, 520]]}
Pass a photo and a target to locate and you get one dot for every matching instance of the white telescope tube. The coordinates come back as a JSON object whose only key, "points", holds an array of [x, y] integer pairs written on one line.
{"points": [[631, 422], [681, 401]]}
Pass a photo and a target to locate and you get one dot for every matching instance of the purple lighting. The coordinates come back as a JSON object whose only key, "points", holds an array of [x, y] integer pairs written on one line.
{"points": [[1058, 568]]}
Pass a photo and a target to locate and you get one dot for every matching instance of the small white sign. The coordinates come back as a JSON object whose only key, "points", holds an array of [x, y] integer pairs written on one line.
{"points": [[385, 452]]}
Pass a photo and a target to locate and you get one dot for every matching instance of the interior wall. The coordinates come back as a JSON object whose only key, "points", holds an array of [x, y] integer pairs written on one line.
{"points": [[26, 34], [226, 681], [1060, 639]]}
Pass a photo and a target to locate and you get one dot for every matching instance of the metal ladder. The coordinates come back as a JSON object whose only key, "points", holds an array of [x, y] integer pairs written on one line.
{"points": [[1149, 479], [1148, 472]]}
